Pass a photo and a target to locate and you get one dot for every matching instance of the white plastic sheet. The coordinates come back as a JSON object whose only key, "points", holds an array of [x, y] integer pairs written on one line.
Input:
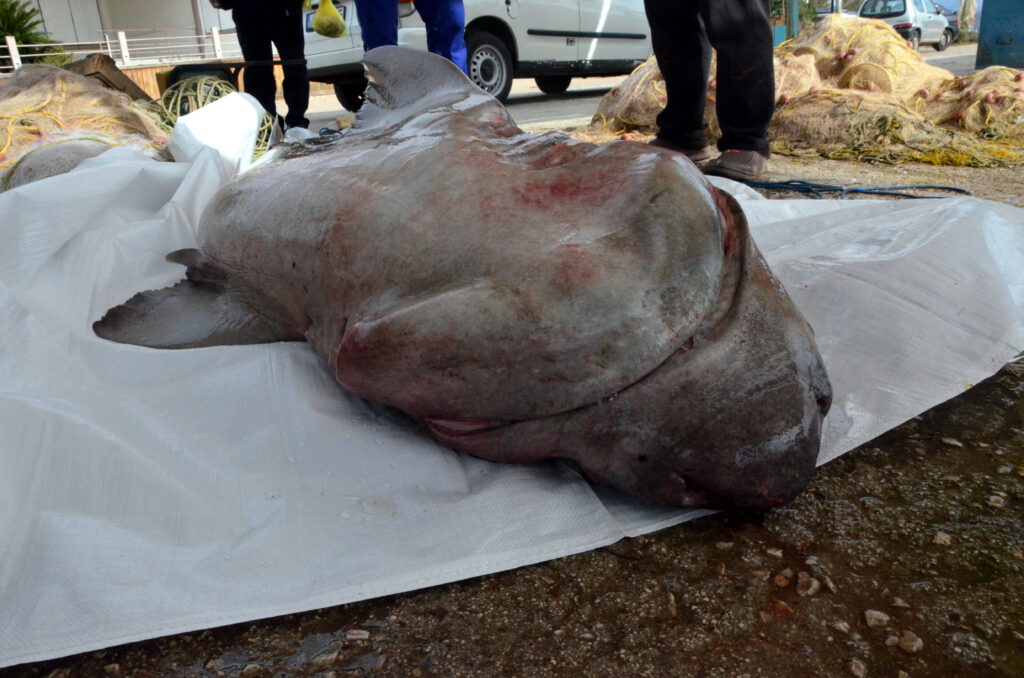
{"points": [[147, 492]]}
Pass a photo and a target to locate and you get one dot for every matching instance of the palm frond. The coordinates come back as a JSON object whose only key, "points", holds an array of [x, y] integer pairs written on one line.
{"points": [[22, 20]]}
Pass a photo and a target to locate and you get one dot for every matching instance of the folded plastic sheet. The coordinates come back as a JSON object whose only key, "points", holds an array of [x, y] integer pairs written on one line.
{"points": [[147, 492]]}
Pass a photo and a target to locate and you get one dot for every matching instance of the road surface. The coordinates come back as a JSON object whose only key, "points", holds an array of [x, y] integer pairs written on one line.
{"points": [[529, 106]]}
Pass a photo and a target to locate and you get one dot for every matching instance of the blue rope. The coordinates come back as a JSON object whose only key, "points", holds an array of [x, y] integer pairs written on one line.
{"points": [[819, 190]]}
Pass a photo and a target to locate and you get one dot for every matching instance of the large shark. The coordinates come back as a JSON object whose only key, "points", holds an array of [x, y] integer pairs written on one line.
{"points": [[522, 297]]}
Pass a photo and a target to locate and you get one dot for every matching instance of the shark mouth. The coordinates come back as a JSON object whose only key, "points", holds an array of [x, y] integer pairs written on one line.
{"points": [[444, 428], [461, 428]]}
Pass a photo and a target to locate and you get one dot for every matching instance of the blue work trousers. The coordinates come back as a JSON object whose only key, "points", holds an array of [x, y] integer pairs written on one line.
{"points": [[445, 21]]}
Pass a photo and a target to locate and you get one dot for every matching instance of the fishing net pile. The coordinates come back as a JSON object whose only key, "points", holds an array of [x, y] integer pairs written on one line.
{"points": [[852, 88], [52, 119]]}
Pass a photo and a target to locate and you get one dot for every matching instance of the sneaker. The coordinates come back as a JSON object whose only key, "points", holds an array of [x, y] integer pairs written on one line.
{"points": [[739, 165], [699, 154], [297, 134]]}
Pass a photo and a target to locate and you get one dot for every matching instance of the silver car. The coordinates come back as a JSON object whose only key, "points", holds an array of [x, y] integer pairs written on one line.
{"points": [[920, 22]]}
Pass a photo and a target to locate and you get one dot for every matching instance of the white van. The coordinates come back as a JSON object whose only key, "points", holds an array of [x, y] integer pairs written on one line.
{"points": [[552, 41]]}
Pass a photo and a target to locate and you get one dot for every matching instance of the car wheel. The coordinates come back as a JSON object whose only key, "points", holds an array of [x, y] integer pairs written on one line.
{"points": [[915, 40], [489, 63], [553, 84], [943, 43], [350, 93]]}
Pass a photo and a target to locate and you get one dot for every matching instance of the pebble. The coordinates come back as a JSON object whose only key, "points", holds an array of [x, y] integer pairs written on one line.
{"points": [[942, 539], [325, 659], [995, 501], [910, 642], [762, 575], [806, 585], [876, 619], [890, 641], [775, 553], [858, 668], [357, 634], [723, 545], [841, 626], [252, 670], [829, 585], [899, 602], [902, 674], [113, 670], [1003, 470], [781, 581], [953, 441]]}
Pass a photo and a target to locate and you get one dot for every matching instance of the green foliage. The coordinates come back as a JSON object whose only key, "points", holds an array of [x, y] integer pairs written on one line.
{"points": [[805, 10], [21, 19]]}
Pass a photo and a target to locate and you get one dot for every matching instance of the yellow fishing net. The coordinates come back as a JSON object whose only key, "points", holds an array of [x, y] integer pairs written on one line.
{"points": [[40, 104], [852, 88]]}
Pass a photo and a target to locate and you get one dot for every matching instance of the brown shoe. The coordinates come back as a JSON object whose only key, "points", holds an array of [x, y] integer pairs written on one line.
{"points": [[739, 165], [698, 155]]}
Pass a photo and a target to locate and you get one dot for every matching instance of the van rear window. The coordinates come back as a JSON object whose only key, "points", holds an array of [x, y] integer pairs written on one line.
{"points": [[882, 9]]}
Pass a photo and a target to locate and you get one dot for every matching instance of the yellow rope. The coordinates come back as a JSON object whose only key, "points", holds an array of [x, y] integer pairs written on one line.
{"points": [[191, 94]]}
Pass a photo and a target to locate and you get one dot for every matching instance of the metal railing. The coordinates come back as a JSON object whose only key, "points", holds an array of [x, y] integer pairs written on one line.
{"points": [[128, 48]]}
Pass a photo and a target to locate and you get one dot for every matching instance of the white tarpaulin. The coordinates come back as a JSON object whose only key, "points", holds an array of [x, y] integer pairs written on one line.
{"points": [[147, 492]]}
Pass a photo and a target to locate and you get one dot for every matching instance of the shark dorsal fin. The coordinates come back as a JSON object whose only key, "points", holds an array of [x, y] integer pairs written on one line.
{"points": [[406, 83]]}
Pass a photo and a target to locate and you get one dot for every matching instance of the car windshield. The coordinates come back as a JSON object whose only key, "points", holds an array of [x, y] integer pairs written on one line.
{"points": [[881, 9]]}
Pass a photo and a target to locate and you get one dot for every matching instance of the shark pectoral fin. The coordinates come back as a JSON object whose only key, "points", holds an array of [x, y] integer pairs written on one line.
{"points": [[190, 314]]}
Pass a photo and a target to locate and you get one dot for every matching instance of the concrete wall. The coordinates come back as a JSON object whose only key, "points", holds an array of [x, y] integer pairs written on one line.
{"points": [[71, 20], [145, 18], [82, 20]]}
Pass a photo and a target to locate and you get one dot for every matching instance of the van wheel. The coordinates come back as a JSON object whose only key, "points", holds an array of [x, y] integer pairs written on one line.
{"points": [[915, 41], [350, 93], [553, 84], [943, 43], [489, 64]]}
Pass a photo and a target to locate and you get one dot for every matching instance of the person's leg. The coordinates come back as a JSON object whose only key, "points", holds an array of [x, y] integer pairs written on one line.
{"points": [[741, 33], [288, 33], [254, 39], [378, 21], [684, 57], [446, 26]]}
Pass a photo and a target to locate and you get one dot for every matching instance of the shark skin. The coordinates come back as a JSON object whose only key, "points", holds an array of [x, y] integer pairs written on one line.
{"points": [[522, 297]]}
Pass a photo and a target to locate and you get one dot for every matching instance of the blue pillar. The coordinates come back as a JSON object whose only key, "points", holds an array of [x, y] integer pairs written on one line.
{"points": [[792, 18]]}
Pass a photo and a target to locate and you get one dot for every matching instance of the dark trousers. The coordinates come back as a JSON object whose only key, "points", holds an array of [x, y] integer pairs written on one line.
{"points": [[683, 33], [445, 21], [258, 24]]}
